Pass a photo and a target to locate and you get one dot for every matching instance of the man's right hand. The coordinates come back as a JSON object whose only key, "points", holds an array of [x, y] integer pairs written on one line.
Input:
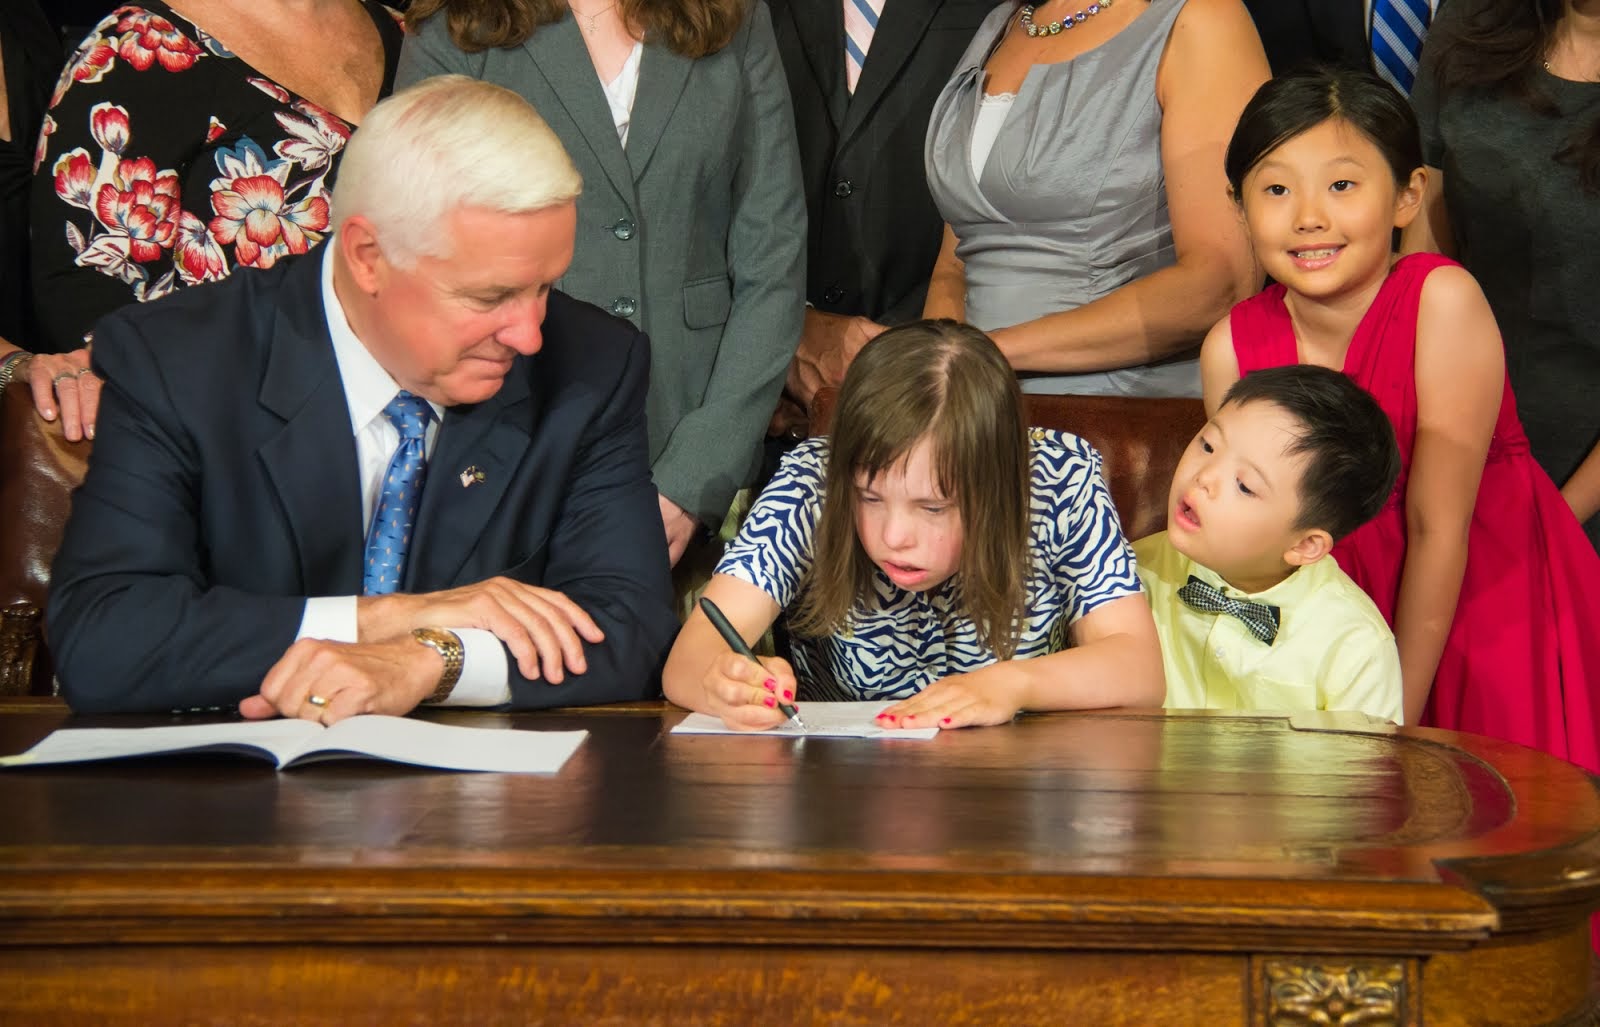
{"points": [[329, 681], [828, 344], [544, 629]]}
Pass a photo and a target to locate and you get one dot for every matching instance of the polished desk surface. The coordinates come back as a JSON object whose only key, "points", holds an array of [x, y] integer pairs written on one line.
{"points": [[1065, 833]]}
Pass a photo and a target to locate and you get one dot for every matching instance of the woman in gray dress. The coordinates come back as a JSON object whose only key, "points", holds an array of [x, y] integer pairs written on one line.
{"points": [[1079, 170], [1509, 103], [692, 223]]}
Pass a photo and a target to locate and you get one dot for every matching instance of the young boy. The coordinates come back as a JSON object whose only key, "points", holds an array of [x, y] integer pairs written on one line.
{"points": [[1251, 614]]}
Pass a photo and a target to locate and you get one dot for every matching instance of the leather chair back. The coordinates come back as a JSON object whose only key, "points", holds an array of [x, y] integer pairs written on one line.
{"points": [[1140, 440], [38, 471]]}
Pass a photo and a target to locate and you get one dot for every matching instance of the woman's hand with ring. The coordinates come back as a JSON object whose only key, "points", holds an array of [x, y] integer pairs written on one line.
{"points": [[63, 384]]}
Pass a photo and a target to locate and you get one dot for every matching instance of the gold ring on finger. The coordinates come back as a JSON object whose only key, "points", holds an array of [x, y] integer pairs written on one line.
{"points": [[80, 372], [63, 374], [316, 700]]}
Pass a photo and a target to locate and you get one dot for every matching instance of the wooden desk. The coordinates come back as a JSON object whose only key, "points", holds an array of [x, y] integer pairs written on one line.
{"points": [[1067, 869]]}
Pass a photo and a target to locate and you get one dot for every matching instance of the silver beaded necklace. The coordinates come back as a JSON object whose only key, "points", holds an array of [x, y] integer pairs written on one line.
{"points": [[1057, 27]]}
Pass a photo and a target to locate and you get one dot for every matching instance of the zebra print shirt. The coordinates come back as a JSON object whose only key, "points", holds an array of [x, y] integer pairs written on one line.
{"points": [[900, 642]]}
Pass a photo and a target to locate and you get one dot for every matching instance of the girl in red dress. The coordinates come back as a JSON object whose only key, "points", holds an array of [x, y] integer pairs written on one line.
{"points": [[1481, 568]]}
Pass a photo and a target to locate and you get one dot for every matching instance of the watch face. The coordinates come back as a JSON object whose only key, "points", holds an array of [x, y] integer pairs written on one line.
{"points": [[448, 645]]}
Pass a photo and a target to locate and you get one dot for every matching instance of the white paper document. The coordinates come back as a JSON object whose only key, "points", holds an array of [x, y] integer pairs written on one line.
{"points": [[823, 720], [297, 742]]}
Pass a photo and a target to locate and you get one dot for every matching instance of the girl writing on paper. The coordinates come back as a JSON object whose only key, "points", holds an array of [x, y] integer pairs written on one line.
{"points": [[932, 550]]}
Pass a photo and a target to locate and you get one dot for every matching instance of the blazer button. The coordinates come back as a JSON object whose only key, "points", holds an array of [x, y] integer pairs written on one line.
{"points": [[623, 306], [623, 229], [843, 188], [833, 294]]}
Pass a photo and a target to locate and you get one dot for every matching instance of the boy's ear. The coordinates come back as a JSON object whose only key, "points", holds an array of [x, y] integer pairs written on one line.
{"points": [[1408, 201], [1311, 547]]}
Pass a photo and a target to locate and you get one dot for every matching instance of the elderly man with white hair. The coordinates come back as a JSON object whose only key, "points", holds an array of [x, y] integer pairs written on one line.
{"points": [[401, 469]]}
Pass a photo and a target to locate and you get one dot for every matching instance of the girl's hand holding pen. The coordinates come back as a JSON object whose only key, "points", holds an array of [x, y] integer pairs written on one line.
{"points": [[747, 695]]}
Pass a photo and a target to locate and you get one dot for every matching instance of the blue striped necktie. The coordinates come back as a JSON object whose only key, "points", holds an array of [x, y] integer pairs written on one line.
{"points": [[390, 534], [1398, 28]]}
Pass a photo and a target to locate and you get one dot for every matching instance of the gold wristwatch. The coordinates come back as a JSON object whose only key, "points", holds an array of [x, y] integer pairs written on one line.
{"points": [[448, 645]]}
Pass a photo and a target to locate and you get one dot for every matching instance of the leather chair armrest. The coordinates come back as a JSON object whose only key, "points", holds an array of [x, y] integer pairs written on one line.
{"points": [[38, 471]]}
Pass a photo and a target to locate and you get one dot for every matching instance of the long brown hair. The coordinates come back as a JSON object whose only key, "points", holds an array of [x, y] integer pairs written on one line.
{"points": [[689, 28], [1499, 46], [946, 382]]}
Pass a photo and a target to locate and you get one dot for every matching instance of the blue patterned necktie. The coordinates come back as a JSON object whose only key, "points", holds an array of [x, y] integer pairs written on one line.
{"points": [[390, 534], [1261, 618], [1398, 28]]}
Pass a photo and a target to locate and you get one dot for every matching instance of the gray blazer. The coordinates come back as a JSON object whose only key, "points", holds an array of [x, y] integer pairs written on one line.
{"points": [[697, 233]]}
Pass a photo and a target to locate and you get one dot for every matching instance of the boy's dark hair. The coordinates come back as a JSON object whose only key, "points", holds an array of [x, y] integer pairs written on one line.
{"points": [[1352, 457], [1291, 104]]}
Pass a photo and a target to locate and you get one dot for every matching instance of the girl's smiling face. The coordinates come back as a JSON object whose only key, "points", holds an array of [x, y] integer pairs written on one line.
{"points": [[1321, 210], [906, 524]]}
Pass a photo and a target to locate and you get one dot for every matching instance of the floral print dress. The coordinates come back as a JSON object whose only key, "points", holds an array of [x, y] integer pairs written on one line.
{"points": [[165, 161]]}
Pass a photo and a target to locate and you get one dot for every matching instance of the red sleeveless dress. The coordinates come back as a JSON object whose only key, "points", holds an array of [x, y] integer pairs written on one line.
{"points": [[1522, 661]]}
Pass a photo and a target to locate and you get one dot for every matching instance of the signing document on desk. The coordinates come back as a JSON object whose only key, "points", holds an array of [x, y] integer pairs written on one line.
{"points": [[399, 469], [823, 720], [929, 555]]}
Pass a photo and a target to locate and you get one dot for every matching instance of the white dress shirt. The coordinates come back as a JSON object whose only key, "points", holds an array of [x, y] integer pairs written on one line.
{"points": [[368, 388], [620, 93]]}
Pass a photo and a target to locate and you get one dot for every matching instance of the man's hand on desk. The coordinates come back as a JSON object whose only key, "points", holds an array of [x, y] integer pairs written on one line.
{"points": [[544, 629], [346, 678]]}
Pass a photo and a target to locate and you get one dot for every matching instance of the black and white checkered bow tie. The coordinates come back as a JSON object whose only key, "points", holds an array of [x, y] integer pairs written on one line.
{"points": [[1261, 618]]}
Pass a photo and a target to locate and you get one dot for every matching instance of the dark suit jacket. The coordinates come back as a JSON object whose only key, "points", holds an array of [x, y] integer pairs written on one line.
{"points": [[223, 490], [1301, 32], [874, 230]]}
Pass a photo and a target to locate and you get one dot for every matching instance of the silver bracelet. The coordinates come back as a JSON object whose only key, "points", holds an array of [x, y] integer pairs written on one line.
{"points": [[8, 367]]}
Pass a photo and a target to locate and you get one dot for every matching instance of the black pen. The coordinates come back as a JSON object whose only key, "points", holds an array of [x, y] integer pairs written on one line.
{"points": [[736, 643]]}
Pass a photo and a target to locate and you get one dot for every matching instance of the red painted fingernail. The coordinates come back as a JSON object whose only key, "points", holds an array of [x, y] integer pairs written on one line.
{"points": [[945, 720], [770, 685], [770, 701], [788, 693]]}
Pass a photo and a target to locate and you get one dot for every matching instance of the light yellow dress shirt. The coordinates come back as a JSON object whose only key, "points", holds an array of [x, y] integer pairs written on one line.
{"points": [[1333, 650]]}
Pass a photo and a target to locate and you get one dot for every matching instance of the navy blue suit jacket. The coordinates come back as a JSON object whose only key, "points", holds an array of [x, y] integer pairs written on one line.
{"points": [[223, 490]]}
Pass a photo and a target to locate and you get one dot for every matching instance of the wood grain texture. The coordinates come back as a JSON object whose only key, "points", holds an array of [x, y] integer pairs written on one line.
{"points": [[726, 987], [1133, 867]]}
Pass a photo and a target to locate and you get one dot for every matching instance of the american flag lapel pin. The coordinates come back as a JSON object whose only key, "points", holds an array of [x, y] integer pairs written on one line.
{"points": [[471, 476]]}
